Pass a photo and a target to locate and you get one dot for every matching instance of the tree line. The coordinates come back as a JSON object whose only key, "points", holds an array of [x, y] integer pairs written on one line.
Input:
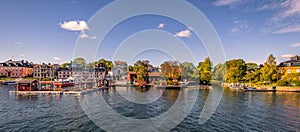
{"points": [[237, 70], [232, 71]]}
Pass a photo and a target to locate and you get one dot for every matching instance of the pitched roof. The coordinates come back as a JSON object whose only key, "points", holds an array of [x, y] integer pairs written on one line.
{"points": [[290, 63]]}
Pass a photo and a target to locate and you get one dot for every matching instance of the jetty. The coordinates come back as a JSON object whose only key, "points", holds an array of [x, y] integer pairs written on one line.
{"points": [[76, 93]]}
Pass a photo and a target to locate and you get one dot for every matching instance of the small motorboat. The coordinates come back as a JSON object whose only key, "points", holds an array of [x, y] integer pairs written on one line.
{"points": [[9, 82]]}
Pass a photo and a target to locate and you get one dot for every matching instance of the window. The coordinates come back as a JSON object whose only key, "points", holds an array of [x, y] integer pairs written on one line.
{"points": [[288, 71], [280, 71], [297, 70]]}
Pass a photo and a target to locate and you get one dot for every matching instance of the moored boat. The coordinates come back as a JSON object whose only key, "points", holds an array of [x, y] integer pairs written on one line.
{"points": [[9, 82], [63, 84]]}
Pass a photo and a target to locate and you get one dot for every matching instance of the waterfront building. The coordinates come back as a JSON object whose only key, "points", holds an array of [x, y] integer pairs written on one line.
{"points": [[46, 71], [16, 69], [119, 71], [290, 66], [64, 73], [152, 77], [131, 76], [27, 85], [100, 71], [155, 76]]}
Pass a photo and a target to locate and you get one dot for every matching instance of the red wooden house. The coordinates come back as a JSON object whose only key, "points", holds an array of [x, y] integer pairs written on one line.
{"points": [[27, 85]]}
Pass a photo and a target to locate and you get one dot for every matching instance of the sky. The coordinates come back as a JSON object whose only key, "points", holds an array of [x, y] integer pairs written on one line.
{"points": [[48, 31]]}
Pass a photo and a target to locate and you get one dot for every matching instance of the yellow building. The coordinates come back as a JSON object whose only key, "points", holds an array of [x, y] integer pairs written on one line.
{"points": [[291, 66]]}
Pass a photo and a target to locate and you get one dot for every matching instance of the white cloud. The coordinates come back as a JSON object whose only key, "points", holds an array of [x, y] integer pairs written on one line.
{"points": [[295, 45], [288, 29], [185, 33], [286, 18], [74, 25], [287, 56], [268, 5], [57, 58], [227, 2], [83, 35], [94, 37], [161, 25], [22, 55], [18, 43], [240, 26], [291, 8]]}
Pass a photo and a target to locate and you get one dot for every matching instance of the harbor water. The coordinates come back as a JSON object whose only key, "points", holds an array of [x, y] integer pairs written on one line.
{"points": [[237, 111]]}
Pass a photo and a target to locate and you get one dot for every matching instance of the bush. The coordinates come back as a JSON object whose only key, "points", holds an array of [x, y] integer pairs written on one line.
{"points": [[296, 83], [46, 79], [282, 83], [172, 82], [259, 83]]}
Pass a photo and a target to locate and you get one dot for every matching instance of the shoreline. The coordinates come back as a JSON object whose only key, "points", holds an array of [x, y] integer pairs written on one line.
{"points": [[268, 88]]}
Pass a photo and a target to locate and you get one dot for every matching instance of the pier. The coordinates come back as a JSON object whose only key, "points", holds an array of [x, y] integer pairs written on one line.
{"points": [[76, 93]]}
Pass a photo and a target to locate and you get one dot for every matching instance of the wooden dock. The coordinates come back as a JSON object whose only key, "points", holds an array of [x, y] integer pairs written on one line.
{"points": [[76, 93], [36, 92]]}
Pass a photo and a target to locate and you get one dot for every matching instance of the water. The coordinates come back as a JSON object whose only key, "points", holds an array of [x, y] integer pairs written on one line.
{"points": [[237, 111]]}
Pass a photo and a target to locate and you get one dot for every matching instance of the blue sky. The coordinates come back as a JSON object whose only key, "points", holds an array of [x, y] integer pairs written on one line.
{"points": [[47, 31]]}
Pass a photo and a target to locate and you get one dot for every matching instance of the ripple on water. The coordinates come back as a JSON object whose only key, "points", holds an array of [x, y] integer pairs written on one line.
{"points": [[237, 111]]}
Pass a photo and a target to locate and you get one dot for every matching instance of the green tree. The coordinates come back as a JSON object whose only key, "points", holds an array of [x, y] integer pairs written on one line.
{"points": [[91, 64], [269, 71], [291, 77], [130, 68], [64, 65], [252, 73], [81, 61], [235, 70], [205, 71], [107, 63], [141, 70], [219, 72], [188, 70]]}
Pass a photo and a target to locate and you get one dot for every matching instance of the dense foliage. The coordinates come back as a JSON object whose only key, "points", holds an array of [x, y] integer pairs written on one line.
{"points": [[232, 71], [205, 71], [171, 70], [269, 70], [188, 71], [141, 68], [235, 70]]}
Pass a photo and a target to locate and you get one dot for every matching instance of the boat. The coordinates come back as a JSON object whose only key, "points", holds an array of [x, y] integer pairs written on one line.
{"points": [[142, 84], [173, 87], [9, 83], [190, 84], [249, 89], [63, 84]]}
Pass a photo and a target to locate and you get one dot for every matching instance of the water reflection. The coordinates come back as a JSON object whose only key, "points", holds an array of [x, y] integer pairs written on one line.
{"points": [[237, 111]]}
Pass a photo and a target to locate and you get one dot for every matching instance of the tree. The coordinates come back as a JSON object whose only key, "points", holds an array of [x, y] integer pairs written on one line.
{"points": [[188, 70], [130, 68], [141, 70], [80, 61], [205, 71], [91, 64], [291, 77], [252, 72], [107, 63], [269, 71], [171, 70], [219, 72], [64, 65], [235, 70]]}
